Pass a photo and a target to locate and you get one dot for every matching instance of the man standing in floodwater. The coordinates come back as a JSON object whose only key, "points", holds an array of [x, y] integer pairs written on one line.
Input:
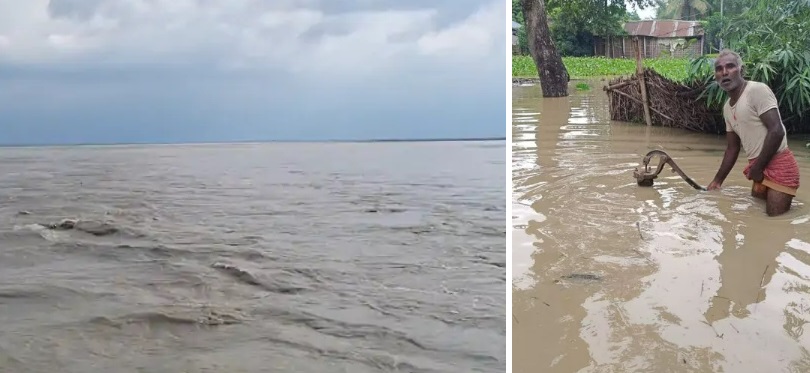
{"points": [[752, 120]]}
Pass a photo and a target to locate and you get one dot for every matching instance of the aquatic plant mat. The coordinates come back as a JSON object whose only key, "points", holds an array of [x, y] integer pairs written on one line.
{"points": [[671, 104]]}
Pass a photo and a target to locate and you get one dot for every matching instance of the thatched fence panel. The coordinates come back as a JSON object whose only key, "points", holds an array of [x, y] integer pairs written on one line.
{"points": [[670, 104]]}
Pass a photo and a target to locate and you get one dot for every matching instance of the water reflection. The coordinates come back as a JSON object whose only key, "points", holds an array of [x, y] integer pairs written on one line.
{"points": [[610, 277]]}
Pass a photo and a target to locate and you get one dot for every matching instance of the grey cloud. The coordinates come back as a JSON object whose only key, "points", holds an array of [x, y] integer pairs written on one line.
{"points": [[158, 75], [341, 24], [73, 9], [448, 11], [312, 36]]}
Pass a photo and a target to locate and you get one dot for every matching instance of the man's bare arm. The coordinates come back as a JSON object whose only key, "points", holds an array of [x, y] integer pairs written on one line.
{"points": [[729, 157]]}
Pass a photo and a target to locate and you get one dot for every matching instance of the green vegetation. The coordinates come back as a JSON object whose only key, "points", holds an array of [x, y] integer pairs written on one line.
{"points": [[590, 67], [682, 9], [573, 24], [583, 87], [772, 38]]}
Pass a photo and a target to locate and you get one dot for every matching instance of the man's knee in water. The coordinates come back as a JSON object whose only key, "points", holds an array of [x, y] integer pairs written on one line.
{"points": [[777, 203]]}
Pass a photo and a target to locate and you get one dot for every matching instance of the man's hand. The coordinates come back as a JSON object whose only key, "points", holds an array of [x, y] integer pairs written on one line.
{"points": [[755, 174], [714, 185]]}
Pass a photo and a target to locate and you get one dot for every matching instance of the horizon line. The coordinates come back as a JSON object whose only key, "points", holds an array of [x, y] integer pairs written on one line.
{"points": [[68, 144]]}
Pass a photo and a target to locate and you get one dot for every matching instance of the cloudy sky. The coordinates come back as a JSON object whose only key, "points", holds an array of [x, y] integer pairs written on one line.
{"points": [[91, 71]]}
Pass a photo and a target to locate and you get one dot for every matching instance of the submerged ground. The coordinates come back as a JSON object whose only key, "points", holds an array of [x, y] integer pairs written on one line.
{"points": [[611, 277]]}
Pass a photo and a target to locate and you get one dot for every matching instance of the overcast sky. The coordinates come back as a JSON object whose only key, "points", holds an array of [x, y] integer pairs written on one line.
{"points": [[89, 71], [646, 13]]}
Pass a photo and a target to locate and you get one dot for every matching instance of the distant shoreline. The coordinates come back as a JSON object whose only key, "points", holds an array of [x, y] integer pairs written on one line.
{"points": [[471, 139]]}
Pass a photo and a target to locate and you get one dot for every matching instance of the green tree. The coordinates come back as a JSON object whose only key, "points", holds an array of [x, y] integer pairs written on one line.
{"points": [[517, 16], [550, 68], [773, 38], [717, 19], [577, 22], [574, 24], [689, 10], [597, 17]]}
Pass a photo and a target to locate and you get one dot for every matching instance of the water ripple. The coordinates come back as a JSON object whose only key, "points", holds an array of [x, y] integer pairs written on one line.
{"points": [[238, 257]]}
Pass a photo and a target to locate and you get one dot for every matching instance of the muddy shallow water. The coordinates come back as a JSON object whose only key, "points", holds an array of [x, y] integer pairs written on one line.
{"points": [[612, 277]]}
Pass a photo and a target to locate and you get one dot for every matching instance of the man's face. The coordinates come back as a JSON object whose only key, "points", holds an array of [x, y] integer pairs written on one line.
{"points": [[727, 73]]}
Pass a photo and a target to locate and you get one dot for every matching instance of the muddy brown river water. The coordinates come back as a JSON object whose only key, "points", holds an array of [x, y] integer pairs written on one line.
{"points": [[236, 258], [612, 277]]}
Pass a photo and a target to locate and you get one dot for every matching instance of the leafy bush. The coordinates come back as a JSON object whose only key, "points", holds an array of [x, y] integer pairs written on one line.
{"points": [[589, 67], [773, 39]]}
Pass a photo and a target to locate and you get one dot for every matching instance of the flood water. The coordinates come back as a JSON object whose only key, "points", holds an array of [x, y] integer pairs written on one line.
{"points": [[612, 277], [331, 257]]}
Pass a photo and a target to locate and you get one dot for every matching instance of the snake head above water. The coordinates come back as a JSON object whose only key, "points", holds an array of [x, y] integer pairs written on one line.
{"points": [[664, 157], [645, 178]]}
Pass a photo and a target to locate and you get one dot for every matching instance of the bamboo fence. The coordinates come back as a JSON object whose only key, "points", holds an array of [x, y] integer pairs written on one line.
{"points": [[648, 97]]}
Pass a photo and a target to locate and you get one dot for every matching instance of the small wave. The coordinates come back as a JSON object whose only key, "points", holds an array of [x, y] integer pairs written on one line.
{"points": [[391, 210], [360, 331], [71, 230], [20, 294], [156, 251], [252, 255], [415, 229], [489, 231], [158, 319], [343, 329], [274, 340], [306, 272], [485, 260], [95, 228], [36, 231], [237, 273], [37, 292], [248, 278], [135, 252], [367, 358], [384, 363]]}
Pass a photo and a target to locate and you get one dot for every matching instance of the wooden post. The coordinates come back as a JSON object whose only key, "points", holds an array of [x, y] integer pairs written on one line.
{"points": [[644, 40], [642, 83], [624, 48]]}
